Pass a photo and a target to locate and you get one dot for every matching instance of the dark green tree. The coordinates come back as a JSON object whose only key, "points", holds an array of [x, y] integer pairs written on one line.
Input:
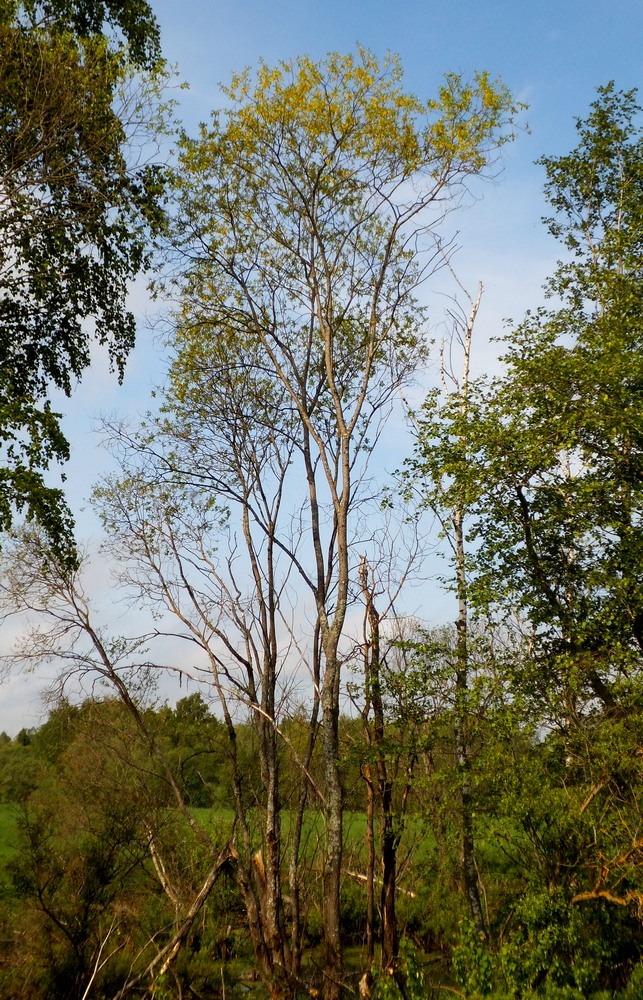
{"points": [[76, 209], [195, 746], [552, 479], [133, 24], [553, 471]]}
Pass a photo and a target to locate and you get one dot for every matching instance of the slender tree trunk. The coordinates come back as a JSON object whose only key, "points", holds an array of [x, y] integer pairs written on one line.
{"points": [[331, 624], [370, 866], [296, 929], [469, 868], [390, 842], [334, 962], [389, 836]]}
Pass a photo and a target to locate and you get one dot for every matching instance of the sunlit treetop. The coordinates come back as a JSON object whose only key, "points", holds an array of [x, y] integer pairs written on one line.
{"points": [[355, 105]]}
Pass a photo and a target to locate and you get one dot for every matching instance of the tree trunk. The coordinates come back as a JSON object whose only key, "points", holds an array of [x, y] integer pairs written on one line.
{"points": [[389, 882], [469, 868], [390, 839], [370, 866], [334, 962]]}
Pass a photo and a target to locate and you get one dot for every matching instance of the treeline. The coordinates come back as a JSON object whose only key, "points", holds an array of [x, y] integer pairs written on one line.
{"points": [[105, 867]]}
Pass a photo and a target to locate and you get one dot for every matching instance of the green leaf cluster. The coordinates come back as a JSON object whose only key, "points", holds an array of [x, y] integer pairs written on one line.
{"points": [[547, 458], [75, 219]]}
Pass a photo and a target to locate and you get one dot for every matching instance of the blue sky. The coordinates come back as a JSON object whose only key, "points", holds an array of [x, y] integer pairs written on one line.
{"points": [[551, 55]]}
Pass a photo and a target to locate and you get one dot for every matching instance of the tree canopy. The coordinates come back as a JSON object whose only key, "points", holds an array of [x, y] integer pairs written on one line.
{"points": [[546, 463], [77, 202], [133, 24]]}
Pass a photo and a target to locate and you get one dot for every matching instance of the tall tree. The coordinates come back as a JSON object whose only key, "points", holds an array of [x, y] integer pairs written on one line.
{"points": [[552, 477], [77, 202], [308, 214], [556, 452], [443, 438]]}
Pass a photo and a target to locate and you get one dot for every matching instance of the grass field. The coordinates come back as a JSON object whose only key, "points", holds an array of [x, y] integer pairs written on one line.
{"points": [[219, 822], [222, 819], [415, 837]]}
